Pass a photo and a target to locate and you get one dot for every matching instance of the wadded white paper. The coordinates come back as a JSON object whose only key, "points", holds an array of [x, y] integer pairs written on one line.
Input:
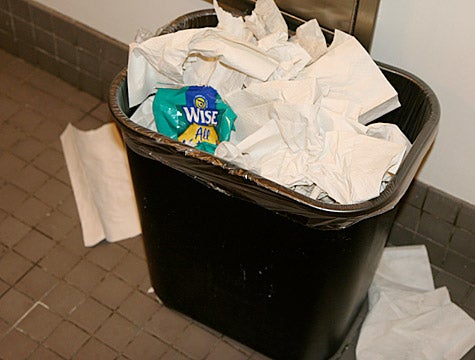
{"points": [[102, 186], [350, 74], [408, 318], [302, 107]]}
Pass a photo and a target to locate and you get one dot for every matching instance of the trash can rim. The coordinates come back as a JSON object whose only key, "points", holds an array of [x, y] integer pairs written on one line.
{"points": [[376, 205], [386, 200]]}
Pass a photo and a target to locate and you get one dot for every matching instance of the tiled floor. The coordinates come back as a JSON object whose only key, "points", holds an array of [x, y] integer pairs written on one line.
{"points": [[59, 299]]}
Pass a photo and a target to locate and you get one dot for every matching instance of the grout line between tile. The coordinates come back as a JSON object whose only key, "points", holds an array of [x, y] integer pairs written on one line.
{"points": [[14, 326]]}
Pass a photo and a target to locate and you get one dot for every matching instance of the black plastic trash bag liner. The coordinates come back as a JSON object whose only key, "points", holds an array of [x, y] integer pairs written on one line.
{"points": [[417, 118], [273, 269]]}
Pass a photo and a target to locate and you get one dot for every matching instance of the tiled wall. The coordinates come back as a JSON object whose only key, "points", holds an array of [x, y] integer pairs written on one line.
{"points": [[60, 45], [446, 226], [90, 60]]}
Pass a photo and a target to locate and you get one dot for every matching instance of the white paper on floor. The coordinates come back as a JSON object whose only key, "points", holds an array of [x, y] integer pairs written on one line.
{"points": [[102, 186], [408, 318]]}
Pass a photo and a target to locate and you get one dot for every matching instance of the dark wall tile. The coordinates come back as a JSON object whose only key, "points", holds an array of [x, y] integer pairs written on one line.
{"points": [[89, 40], [65, 28], [416, 194], [90, 84], [8, 43], [435, 270], [88, 62], [108, 71], [6, 22], [41, 17], [60, 45], [436, 251], [460, 266], [68, 72], [5, 5], [66, 51], [45, 41], [442, 205], [435, 228], [48, 62], [466, 217], [115, 52], [27, 51], [23, 30], [463, 241], [458, 289], [470, 300], [401, 236], [408, 216], [21, 9]]}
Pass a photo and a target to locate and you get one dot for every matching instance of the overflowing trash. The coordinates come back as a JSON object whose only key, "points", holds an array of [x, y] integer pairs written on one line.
{"points": [[308, 116], [304, 111]]}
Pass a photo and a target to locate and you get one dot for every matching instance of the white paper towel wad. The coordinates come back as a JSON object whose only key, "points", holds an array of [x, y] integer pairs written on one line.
{"points": [[408, 318], [302, 108], [101, 182]]}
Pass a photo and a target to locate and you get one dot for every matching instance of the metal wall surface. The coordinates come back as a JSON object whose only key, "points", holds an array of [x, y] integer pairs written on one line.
{"points": [[339, 14], [356, 17]]}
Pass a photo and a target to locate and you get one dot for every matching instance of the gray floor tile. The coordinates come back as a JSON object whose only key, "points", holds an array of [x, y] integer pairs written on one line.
{"points": [[196, 342], [34, 246], [13, 305], [64, 299], [94, 349], [90, 315], [13, 266], [36, 283], [145, 347], [117, 332], [39, 323], [16, 345], [66, 339], [12, 231]]}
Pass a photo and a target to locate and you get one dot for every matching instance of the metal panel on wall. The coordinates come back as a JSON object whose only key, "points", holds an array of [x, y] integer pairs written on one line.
{"points": [[331, 14], [356, 17]]}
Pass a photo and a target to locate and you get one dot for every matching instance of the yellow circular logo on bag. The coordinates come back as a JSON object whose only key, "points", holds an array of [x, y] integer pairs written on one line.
{"points": [[200, 102]]}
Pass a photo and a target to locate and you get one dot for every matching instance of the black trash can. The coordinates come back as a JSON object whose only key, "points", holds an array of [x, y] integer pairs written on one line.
{"points": [[282, 273]]}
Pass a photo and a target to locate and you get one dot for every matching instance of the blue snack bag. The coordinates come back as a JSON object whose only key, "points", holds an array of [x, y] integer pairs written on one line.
{"points": [[193, 115]]}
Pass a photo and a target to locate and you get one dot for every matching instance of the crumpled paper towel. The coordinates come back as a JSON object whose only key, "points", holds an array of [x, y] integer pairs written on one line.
{"points": [[296, 100], [350, 74], [102, 186], [310, 37], [265, 20], [408, 318], [293, 150], [143, 116], [254, 103]]}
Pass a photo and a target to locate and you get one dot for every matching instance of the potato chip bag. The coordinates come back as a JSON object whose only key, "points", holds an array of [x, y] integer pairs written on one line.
{"points": [[193, 115]]}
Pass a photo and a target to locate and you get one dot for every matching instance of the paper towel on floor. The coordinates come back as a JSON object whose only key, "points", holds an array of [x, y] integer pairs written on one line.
{"points": [[408, 318], [102, 186], [297, 97]]}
